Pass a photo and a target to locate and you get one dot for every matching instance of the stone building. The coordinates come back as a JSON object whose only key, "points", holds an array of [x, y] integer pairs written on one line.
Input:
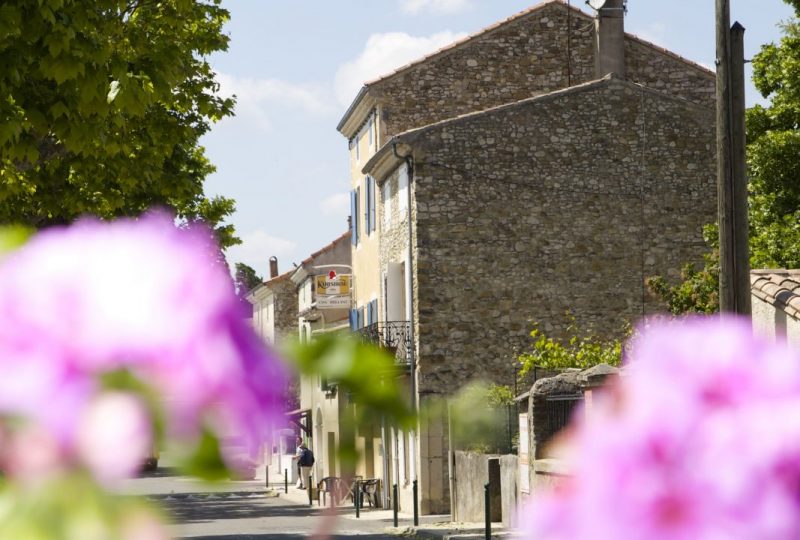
{"points": [[776, 304], [548, 163], [322, 406], [274, 306]]}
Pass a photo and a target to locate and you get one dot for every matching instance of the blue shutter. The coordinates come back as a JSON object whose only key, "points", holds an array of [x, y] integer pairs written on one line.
{"points": [[353, 218], [353, 320], [357, 209], [367, 206], [360, 315], [372, 208], [373, 312]]}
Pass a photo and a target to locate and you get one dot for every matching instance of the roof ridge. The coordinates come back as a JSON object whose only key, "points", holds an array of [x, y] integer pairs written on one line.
{"points": [[326, 248], [780, 288]]}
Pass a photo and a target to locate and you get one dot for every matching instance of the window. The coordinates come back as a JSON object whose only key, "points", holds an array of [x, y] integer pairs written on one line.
{"points": [[358, 152], [386, 195], [370, 126], [402, 191], [354, 206]]}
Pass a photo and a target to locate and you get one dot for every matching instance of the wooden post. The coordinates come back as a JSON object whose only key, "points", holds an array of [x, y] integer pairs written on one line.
{"points": [[727, 302], [734, 275], [741, 223]]}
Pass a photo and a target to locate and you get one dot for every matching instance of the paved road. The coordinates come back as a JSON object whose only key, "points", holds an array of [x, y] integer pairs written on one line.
{"points": [[243, 511]]}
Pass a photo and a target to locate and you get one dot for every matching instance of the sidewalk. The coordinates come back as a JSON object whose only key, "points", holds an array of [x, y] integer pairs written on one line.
{"points": [[437, 527]]}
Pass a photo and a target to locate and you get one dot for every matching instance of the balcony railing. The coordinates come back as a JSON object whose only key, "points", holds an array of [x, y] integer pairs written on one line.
{"points": [[393, 335]]}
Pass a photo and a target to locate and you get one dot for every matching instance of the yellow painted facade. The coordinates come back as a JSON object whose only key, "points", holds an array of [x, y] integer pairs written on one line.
{"points": [[365, 252]]}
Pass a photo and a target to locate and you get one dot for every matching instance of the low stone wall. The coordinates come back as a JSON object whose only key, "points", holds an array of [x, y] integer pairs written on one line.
{"points": [[472, 472], [509, 490]]}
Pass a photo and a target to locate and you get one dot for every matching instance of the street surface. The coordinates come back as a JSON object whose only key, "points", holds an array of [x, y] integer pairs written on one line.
{"points": [[244, 510]]}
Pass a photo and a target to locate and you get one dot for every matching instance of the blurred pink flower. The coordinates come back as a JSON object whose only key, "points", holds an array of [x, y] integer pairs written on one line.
{"points": [[700, 440], [114, 436], [140, 295]]}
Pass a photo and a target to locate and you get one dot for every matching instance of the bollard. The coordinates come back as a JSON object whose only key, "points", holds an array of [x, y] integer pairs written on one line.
{"points": [[266, 475], [285, 480], [357, 499], [415, 490], [486, 511], [394, 503], [310, 501]]}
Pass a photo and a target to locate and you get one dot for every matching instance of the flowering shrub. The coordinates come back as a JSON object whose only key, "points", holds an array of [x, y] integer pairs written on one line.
{"points": [[114, 334], [699, 440]]}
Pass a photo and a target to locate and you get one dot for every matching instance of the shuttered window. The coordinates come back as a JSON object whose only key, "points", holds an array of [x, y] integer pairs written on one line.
{"points": [[354, 208]]}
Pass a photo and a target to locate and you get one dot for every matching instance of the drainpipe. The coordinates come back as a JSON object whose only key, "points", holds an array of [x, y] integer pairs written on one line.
{"points": [[411, 334]]}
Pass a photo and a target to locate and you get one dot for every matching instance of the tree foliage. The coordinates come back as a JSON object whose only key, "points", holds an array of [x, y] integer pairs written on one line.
{"points": [[580, 350], [773, 135], [245, 279], [102, 105], [698, 290]]}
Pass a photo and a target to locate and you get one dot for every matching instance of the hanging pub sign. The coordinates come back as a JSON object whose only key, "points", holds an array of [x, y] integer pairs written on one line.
{"points": [[333, 290]]}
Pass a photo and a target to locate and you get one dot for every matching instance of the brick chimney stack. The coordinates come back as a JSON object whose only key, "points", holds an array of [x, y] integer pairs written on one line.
{"points": [[273, 267], [610, 39]]}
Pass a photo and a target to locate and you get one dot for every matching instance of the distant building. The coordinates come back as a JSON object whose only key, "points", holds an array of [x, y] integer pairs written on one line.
{"points": [[321, 405], [274, 305]]}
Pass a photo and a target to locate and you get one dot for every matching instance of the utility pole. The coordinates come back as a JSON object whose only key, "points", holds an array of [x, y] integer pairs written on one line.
{"points": [[734, 275]]}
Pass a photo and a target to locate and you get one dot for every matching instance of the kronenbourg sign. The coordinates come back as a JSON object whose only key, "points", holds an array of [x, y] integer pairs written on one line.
{"points": [[332, 290]]}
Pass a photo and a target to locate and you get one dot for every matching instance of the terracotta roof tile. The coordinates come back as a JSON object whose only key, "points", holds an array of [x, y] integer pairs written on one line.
{"points": [[780, 288]]}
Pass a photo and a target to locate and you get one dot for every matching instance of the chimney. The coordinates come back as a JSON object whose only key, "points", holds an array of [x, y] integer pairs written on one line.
{"points": [[273, 267], [609, 50]]}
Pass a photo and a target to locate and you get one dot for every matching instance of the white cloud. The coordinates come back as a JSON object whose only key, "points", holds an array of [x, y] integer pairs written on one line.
{"points": [[435, 6], [382, 54], [257, 99], [256, 249], [337, 205]]}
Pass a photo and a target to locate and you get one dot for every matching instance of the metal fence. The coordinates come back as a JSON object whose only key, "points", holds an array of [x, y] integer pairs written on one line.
{"points": [[394, 336]]}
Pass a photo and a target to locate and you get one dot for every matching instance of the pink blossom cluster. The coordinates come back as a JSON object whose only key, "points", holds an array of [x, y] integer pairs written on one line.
{"points": [[699, 440], [140, 296]]}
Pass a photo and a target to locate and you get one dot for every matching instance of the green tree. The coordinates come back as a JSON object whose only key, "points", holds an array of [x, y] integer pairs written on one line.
{"points": [[102, 105], [580, 350], [245, 279], [698, 290], [773, 152]]}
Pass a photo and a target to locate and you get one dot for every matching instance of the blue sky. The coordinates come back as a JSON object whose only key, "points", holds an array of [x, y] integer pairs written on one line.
{"points": [[296, 65]]}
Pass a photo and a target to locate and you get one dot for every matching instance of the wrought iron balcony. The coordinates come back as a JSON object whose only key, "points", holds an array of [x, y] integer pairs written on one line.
{"points": [[392, 335]]}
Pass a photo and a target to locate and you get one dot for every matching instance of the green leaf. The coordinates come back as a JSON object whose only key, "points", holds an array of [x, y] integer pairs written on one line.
{"points": [[12, 238], [206, 461]]}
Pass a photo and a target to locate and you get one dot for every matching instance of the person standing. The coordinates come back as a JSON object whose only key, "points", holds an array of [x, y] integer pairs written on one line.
{"points": [[296, 457], [306, 461]]}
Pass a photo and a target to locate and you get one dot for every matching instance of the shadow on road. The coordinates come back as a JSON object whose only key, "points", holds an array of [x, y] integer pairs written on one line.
{"points": [[161, 472], [278, 536], [188, 509]]}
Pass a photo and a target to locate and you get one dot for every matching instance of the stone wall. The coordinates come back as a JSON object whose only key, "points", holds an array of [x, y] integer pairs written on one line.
{"points": [[285, 310], [543, 412], [563, 202], [547, 49]]}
